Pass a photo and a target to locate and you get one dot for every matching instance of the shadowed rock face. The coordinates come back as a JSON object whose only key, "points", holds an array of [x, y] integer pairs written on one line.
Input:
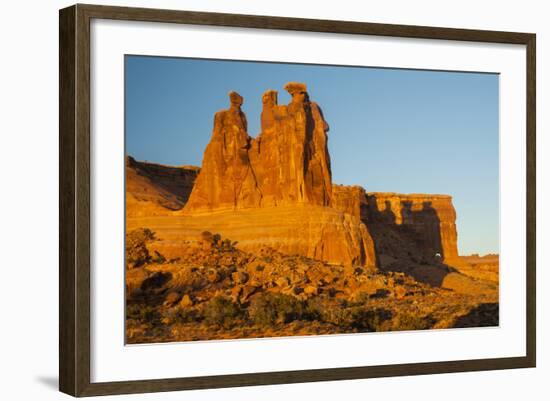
{"points": [[403, 226], [430, 219]]}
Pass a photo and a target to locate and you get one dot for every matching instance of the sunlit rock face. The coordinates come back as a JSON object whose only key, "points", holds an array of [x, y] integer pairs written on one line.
{"points": [[286, 166], [227, 180]]}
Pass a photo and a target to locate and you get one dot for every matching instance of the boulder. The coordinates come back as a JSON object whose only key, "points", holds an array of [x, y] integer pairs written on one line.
{"points": [[186, 301]]}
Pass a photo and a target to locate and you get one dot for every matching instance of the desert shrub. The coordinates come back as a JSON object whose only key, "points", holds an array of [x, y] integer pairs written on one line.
{"points": [[142, 313], [216, 238], [483, 315], [409, 321], [369, 320], [361, 298], [137, 253], [380, 293], [337, 314], [182, 315], [270, 308], [222, 311], [226, 245], [315, 309]]}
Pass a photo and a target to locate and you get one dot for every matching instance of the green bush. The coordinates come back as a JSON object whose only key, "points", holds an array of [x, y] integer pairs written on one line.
{"points": [[269, 309], [222, 311]]}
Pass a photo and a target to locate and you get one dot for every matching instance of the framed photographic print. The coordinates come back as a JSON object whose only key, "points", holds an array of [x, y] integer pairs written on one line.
{"points": [[250, 200]]}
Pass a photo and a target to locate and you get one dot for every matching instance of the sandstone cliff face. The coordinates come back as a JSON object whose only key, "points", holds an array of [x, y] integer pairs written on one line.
{"points": [[317, 232], [429, 219], [155, 189], [417, 226], [351, 200]]}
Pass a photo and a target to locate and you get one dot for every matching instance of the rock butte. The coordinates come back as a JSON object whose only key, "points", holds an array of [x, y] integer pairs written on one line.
{"points": [[276, 191]]}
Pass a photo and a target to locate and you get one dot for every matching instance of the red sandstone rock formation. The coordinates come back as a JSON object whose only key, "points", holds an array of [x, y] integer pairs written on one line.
{"points": [[287, 164], [291, 154], [276, 190], [351, 200], [227, 180], [286, 171]]}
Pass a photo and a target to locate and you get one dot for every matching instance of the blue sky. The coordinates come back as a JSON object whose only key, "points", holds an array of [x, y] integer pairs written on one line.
{"points": [[391, 130]]}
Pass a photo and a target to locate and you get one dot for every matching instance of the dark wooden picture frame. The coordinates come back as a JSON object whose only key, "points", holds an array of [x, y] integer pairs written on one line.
{"points": [[74, 203]]}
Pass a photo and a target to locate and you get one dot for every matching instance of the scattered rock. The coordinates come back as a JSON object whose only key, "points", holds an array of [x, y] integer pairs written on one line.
{"points": [[297, 290], [246, 292], [282, 282], [213, 276], [240, 277], [311, 290], [186, 301], [171, 298]]}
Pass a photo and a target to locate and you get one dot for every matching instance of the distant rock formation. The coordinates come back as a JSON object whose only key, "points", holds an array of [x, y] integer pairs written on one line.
{"points": [[155, 189]]}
